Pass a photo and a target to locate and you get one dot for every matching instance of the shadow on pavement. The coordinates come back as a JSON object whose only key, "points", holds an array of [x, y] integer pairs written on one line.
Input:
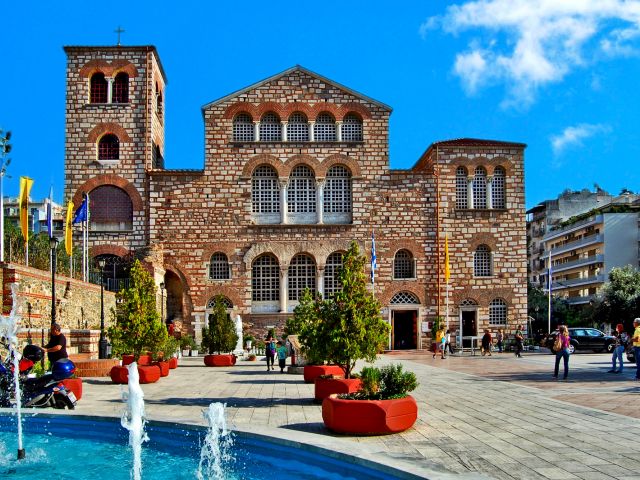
{"points": [[230, 401]]}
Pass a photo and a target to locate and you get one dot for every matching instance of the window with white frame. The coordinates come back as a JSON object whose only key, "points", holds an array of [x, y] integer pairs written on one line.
{"points": [[265, 190], [270, 128], [498, 194], [243, 130], [302, 274], [482, 262], [298, 128], [351, 128], [480, 188], [498, 312], [337, 190], [265, 279], [301, 194], [403, 265], [225, 301], [404, 298], [324, 129], [462, 191], [331, 274], [219, 267]]}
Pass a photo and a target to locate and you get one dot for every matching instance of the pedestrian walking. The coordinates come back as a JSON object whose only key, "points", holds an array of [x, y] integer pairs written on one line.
{"points": [[499, 340], [561, 347], [270, 350], [282, 355], [440, 339], [447, 343], [622, 340], [519, 338], [636, 345], [486, 343]]}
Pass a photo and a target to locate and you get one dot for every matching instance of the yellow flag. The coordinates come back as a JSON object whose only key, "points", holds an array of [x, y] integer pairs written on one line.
{"points": [[68, 231], [447, 271], [25, 188]]}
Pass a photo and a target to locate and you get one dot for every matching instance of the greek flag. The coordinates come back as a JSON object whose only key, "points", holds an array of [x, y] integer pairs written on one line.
{"points": [[374, 262]]}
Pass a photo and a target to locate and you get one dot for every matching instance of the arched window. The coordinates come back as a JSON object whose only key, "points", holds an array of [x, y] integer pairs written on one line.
{"points": [[243, 130], [120, 88], [404, 298], [403, 265], [324, 129], [109, 147], [228, 305], [265, 191], [270, 128], [298, 128], [480, 188], [219, 267], [301, 194], [265, 279], [302, 274], [498, 199], [99, 88], [482, 262], [461, 188], [158, 100], [498, 312], [111, 209], [337, 191], [331, 274], [351, 128]]}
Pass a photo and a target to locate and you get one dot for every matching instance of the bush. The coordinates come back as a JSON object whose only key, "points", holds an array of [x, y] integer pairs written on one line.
{"points": [[384, 383], [187, 342]]}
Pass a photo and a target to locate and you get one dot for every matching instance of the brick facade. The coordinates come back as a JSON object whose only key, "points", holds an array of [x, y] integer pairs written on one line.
{"points": [[186, 216]]}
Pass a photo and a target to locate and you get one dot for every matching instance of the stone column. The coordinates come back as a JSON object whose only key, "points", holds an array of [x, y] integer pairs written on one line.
{"points": [[339, 131], [320, 183], [284, 204], [489, 191], [256, 131], [109, 90], [470, 192], [284, 288], [312, 133], [284, 131], [320, 280], [197, 327]]}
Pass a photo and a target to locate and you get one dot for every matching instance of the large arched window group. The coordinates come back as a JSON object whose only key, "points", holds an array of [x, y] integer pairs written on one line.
{"points": [[109, 90], [480, 190], [111, 209]]}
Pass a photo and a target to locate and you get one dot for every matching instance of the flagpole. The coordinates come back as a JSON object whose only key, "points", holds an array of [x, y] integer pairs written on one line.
{"points": [[87, 234]]}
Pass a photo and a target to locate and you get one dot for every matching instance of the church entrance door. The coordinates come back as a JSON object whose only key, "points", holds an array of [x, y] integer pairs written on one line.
{"points": [[404, 329]]}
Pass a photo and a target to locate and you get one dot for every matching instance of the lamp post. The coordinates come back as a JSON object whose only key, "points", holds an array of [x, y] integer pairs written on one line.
{"points": [[162, 302], [102, 344], [53, 243]]}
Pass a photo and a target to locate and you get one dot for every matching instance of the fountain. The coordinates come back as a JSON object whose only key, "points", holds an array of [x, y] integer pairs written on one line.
{"points": [[134, 420], [215, 449]]}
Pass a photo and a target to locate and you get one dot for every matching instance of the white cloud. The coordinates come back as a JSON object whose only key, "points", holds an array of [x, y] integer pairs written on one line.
{"points": [[527, 44], [573, 136]]}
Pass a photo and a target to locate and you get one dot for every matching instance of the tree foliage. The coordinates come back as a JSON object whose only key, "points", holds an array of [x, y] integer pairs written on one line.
{"points": [[220, 335], [621, 302], [137, 326]]}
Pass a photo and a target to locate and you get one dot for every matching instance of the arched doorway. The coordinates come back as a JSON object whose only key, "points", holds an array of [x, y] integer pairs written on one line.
{"points": [[404, 308], [175, 304], [116, 271], [468, 315]]}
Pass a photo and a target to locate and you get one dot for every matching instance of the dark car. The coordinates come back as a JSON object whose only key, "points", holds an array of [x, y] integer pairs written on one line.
{"points": [[631, 356], [584, 339]]}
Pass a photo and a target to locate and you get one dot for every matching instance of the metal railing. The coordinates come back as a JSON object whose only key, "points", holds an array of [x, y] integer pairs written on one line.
{"points": [[577, 263], [110, 284], [574, 282], [591, 239]]}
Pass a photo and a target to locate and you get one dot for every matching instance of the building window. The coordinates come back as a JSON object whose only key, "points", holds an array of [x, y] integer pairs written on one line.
{"points": [[243, 130], [225, 301], [498, 312], [480, 188], [219, 267], [298, 128], [482, 262], [337, 190], [121, 88], [403, 265], [461, 188], [158, 100], [498, 199], [301, 194], [351, 128], [265, 279], [265, 191], [302, 275], [324, 129], [404, 298], [331, 274], [99, 88], [109, 147], [111, 209], [270, 128]]}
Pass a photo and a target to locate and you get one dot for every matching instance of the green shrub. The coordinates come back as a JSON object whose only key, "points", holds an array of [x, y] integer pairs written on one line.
{"points": [[384, 383], [187, 342]]}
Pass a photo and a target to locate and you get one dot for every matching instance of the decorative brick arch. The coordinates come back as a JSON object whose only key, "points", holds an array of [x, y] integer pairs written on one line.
{"points": [[352, 107], [108, 68], [398, 287], [262, 159], [110, 179], [484, 297], [277, 108], [284, 252], [327, 107], [500, 162], [108, 249], [290, 108], [224, 290], [468, 292], [405, 244], [227, 248], [103, 128], [339, 159], [241, 107], [483, 238], [171, 265], [296, 160], [489, 164]]}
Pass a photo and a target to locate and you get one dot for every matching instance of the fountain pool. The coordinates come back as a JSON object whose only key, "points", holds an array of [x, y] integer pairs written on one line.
{"points": [[96, 448]]}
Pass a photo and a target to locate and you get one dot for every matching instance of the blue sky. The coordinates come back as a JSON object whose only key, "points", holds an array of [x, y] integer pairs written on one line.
{"points": [[560, 76]]}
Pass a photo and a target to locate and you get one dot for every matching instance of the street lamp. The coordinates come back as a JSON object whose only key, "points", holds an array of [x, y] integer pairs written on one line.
{"points": [[102, 344], [162, 302], [53, 243]]}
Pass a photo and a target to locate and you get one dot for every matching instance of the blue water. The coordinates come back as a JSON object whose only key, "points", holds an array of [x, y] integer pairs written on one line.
{"points": [[95, 448]]}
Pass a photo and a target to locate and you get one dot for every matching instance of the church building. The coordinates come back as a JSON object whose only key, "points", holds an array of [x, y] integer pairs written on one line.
{"points": [[296, 166]]}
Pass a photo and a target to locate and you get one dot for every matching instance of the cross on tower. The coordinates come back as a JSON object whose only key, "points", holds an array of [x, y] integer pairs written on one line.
{"points": [[119, 31]]}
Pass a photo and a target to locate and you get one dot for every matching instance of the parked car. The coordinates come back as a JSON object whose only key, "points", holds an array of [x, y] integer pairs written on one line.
{"points": [[631, 356], [584, 339]]}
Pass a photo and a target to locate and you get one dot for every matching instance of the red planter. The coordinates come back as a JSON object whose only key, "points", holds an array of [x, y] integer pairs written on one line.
{"points": [[148, 374], [328, 386], [74, 385], [173, 363], [164, 368], [311, 372], [142, 360], [220, 360], [369, 417]]}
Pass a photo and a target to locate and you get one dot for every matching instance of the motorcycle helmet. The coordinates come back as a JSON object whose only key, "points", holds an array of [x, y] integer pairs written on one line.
{"points": [[63, 368], [33, 353]]}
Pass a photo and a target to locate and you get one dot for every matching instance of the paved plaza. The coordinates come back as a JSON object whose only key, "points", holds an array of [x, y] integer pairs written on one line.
{"points": [[480, 417]]}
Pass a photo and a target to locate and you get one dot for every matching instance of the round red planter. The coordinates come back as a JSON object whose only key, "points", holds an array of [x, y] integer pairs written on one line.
{"points": [[219, 360], [74, 385], [328, 386], [148, 374], [369, 417], [164, 368], [142, 360], [173, 363], [311, 372]]}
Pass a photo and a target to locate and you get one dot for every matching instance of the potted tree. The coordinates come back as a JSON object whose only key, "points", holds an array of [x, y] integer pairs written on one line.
{"points": [[381, 406], [187, 343], [219, 336]]}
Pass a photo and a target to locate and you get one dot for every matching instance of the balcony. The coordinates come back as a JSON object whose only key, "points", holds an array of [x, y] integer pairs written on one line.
{"points": [[574, 227], [579, 263], [577, 282], [580, 300], [583, 242]]}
